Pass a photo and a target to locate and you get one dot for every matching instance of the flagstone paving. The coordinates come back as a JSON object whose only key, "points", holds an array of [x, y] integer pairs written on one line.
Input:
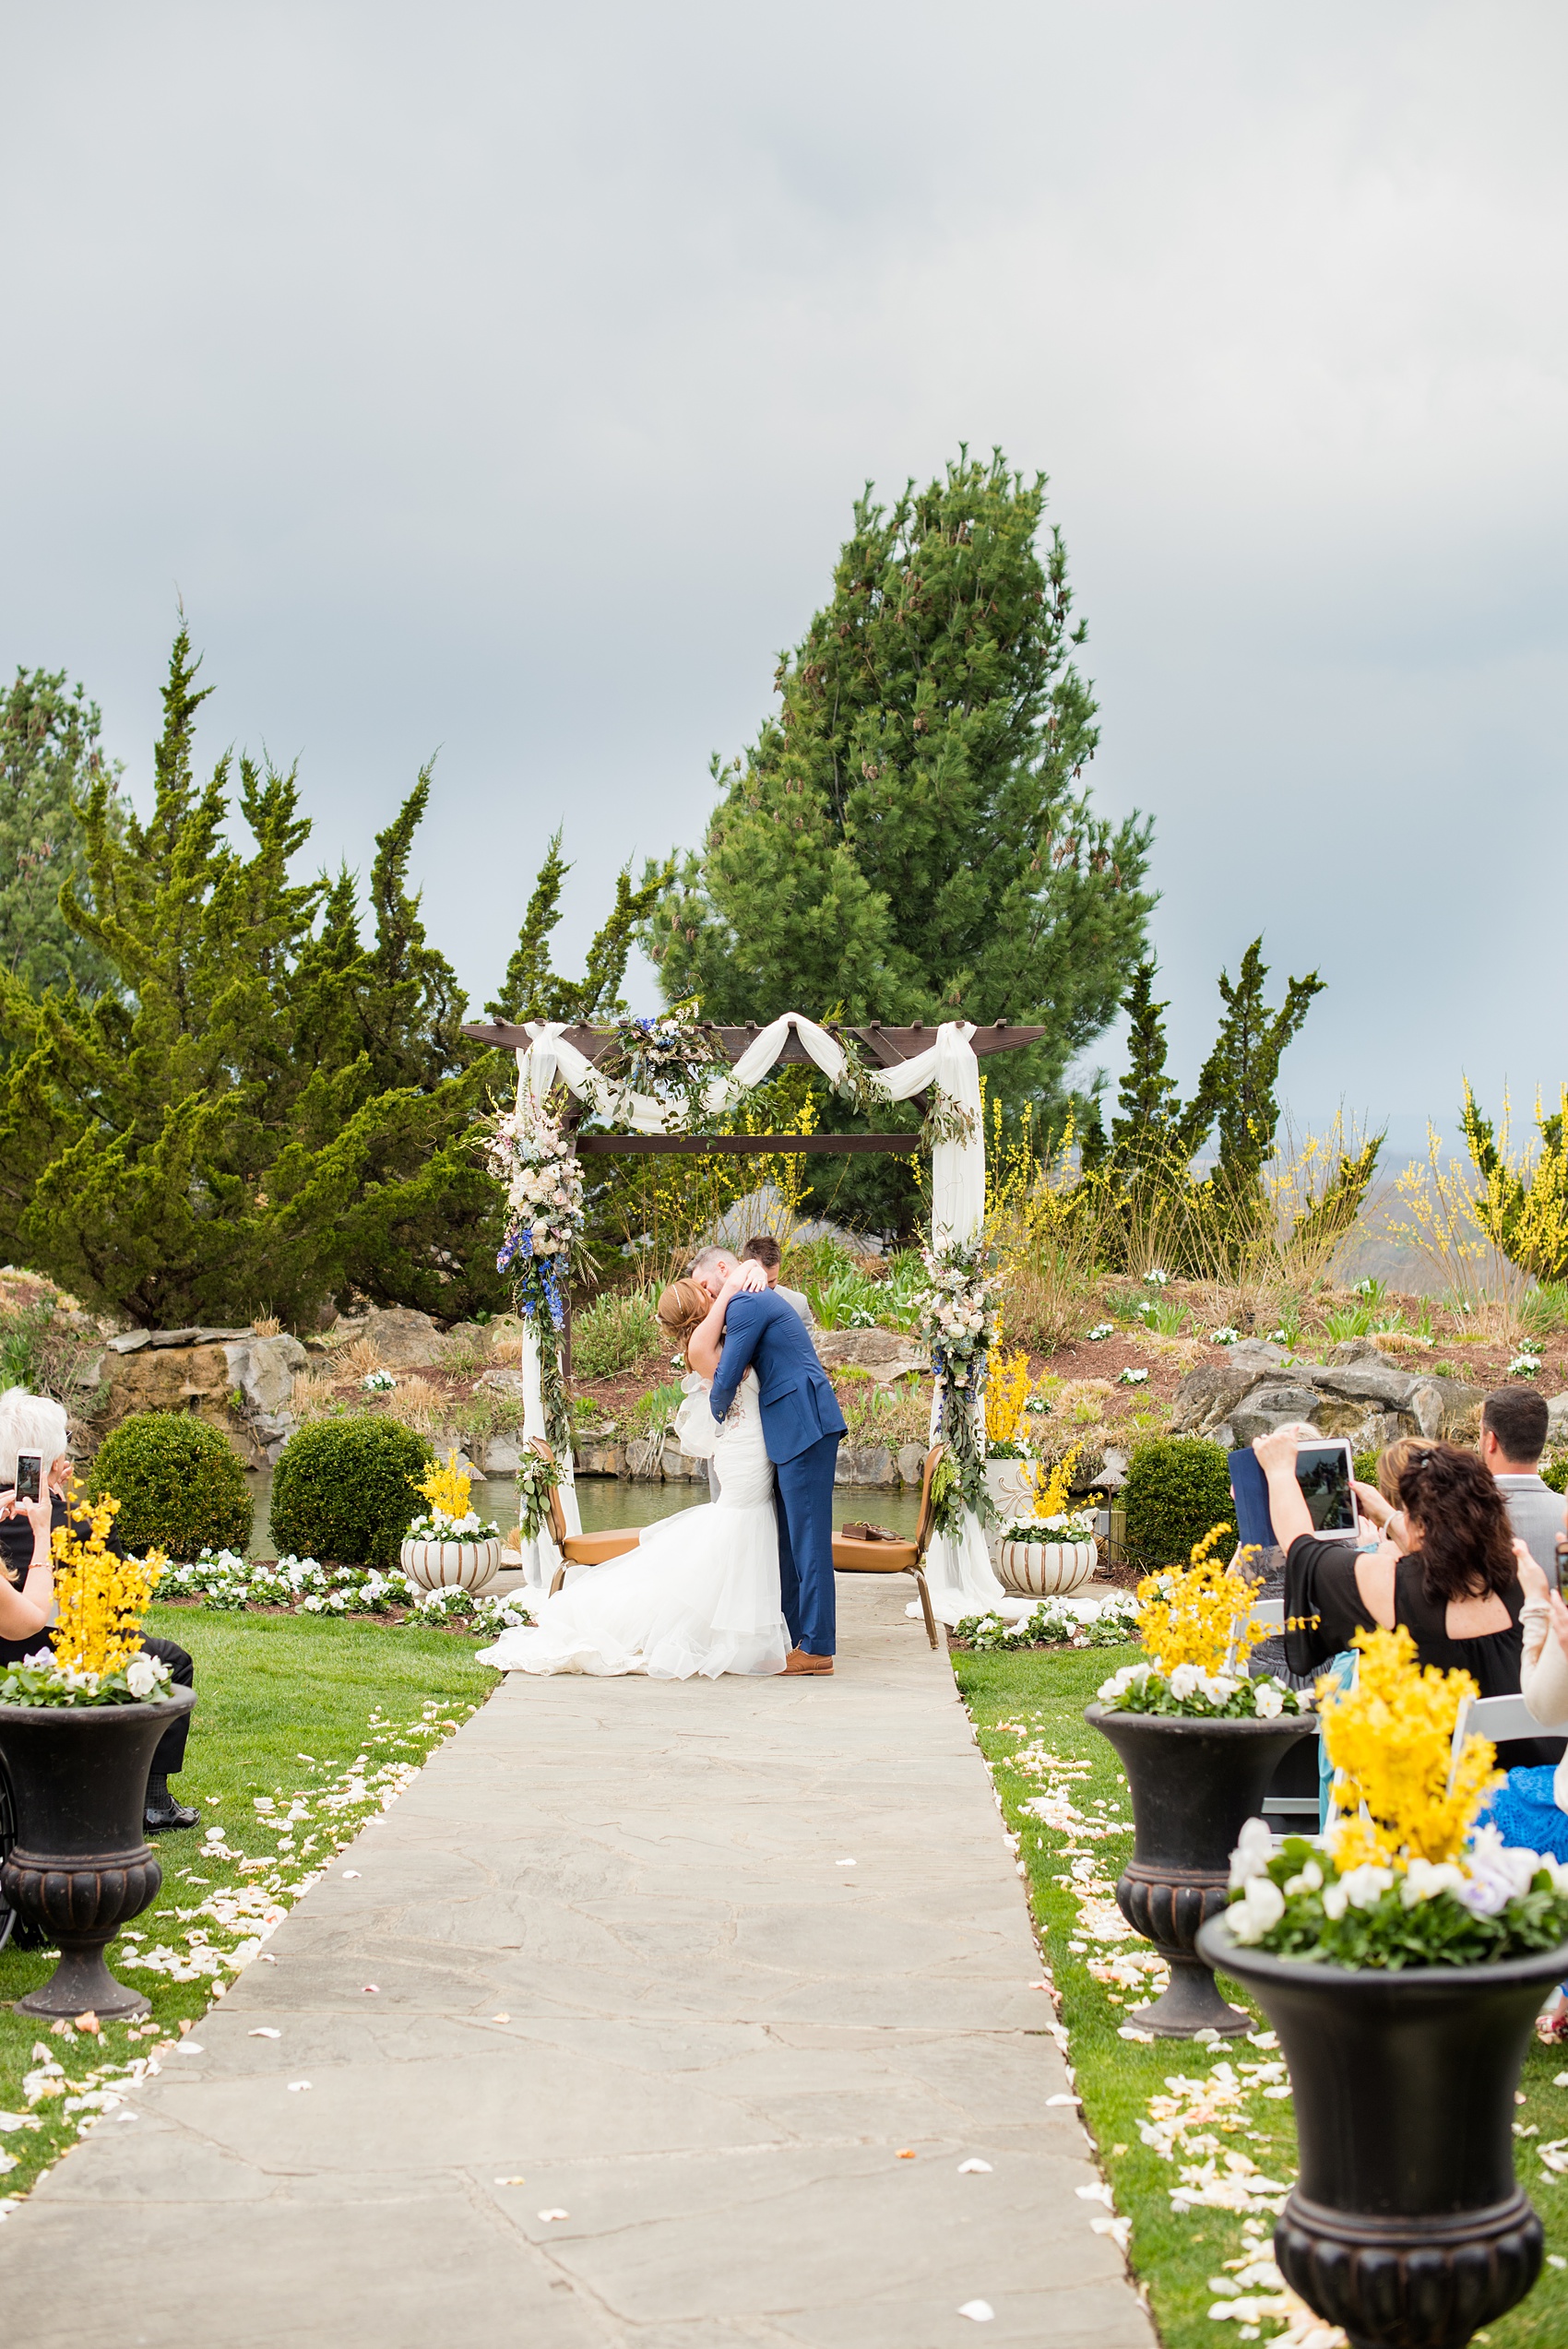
{"points": [[643, 2060]]}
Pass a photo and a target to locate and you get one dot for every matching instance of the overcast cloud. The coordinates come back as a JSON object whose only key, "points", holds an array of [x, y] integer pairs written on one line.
{"points": [[499, 379]]}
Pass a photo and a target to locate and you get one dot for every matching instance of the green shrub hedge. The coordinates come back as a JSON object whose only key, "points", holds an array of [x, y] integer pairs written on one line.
{"points": [[1178, 1488], [179, 1484], [344, 1491]]}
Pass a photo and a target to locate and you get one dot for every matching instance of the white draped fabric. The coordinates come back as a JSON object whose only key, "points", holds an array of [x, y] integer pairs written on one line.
{"points": [[959, 1570]]}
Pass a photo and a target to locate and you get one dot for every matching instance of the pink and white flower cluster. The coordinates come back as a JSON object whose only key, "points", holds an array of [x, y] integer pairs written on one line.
{"points": [[532, 1153]]}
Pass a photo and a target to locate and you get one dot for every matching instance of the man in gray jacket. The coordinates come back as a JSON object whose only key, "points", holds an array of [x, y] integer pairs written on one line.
{"points": [[1514, 1423]]}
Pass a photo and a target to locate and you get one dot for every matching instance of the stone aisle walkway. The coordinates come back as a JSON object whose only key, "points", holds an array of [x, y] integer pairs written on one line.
{"points": [[624, 1979]]}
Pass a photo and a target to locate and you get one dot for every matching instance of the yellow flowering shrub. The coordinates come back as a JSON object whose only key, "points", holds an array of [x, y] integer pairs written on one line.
{"points": [[1403, 1797], [1199, 1614], [100, 1599], [1053, 1491], [446, 1488], [1007, 1394]]}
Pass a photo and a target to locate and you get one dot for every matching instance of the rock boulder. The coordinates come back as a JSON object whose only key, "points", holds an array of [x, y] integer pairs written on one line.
{"points": [[888, 1355]]}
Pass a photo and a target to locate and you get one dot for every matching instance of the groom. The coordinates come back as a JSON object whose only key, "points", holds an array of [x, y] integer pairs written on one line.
{"points": [[802, 1426]]}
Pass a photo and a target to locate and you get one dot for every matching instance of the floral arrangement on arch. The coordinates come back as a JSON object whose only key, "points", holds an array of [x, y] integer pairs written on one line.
{"points": [[94, 1653], [450, 1515], [670, 1057], [532, 1153], [1404, 1878], [957, 1320], [1197, 1628]]}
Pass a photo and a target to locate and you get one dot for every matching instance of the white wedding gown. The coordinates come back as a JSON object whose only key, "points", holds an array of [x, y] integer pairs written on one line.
{"points": [[700, 1592]]}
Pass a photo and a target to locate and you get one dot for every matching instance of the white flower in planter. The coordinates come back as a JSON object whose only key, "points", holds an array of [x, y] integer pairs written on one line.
{"points": [[1259, 1909], [1251, 1855]]}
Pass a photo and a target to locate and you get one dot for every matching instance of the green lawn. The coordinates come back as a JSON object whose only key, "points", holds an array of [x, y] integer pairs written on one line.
{"points": [[287, 1707], [1027, 1707]]}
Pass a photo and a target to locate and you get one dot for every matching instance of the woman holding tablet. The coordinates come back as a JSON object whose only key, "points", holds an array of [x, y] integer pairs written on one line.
{"points": [[1456, 1588]]}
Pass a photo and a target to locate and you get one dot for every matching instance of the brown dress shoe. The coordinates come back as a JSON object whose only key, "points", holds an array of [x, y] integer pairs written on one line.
{"points": [[798, 1661]]}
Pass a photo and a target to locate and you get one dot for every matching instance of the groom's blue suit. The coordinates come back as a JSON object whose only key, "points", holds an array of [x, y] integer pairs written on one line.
{"points": [[802, 1425]]}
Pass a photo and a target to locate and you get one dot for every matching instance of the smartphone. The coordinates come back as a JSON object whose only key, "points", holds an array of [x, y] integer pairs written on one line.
{"points": [[29, 1475]]}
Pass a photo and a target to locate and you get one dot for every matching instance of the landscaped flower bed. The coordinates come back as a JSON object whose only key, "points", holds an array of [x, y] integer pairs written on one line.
{"points": [[229, 1584]]}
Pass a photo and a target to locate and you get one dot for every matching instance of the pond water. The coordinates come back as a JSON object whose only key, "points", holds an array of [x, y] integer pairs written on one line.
{"points": [[616, 1500]]}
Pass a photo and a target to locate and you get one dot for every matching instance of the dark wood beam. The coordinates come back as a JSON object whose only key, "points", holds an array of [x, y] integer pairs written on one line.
{"points": [[885, 1046], [772, 1146]]}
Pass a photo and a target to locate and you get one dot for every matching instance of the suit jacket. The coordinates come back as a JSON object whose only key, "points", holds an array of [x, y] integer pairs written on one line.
{"points": [[799, 1406]]}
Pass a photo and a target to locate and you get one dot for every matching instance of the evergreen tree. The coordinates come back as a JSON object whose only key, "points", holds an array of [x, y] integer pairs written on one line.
{"points": [[911, 838], [1237, 1081], [49, 757], [1148, 1130], [273, 1113], [532, 989]]}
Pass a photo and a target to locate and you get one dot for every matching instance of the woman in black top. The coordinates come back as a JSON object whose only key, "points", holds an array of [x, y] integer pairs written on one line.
{"points": [[1456, 1590]]}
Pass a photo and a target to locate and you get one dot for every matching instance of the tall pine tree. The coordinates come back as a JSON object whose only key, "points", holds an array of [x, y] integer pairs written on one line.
{"points": [[911, 838]]}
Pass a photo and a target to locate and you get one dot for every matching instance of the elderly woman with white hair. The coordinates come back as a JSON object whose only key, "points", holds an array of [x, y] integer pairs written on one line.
{"points": [[36, 1423]]}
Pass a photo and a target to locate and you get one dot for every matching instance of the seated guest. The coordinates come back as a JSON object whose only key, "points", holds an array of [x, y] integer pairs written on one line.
{"points": [[1513, 1425], [1455, 1588], [764, 1250], [34, 1423], [1379, 1503], [1531, 1810]]}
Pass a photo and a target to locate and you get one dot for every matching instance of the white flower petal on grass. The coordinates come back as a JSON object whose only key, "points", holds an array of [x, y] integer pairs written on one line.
{"points": [[1099, 2192], [978, 2311], [1127, 2032], [974, 2168], [1064, 2100]]}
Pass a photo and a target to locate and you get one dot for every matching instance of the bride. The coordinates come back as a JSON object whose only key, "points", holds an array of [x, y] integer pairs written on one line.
{"points": [[700, 1592]]}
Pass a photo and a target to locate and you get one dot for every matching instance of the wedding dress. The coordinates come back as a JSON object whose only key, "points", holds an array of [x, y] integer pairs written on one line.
{"points": [[700, 1592]]}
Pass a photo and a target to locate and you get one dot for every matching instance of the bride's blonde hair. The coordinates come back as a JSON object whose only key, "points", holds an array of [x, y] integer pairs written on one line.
{"points": [[681, 1309]]}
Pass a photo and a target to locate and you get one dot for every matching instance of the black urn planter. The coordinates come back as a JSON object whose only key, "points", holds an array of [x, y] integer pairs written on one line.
{"points": [[1194, 1784], [1407, 2225], [81, 1866]]}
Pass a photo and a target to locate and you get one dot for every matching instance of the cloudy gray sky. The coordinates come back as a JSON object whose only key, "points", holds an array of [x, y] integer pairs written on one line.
{"points": [[499, 378]]}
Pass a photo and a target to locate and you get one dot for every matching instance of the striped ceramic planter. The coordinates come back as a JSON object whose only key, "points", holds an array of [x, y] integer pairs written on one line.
{"points": [[452, 1565], [1044, 1569]]}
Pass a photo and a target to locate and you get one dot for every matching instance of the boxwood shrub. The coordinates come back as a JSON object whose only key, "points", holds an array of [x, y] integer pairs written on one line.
{"points": [[180, 1485], [343, 1490], [1178, 1487]]}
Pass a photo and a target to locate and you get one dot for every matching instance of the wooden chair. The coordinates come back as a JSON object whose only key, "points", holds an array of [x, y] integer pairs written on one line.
{"points": [[581, 1550], [855, 1556]]}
